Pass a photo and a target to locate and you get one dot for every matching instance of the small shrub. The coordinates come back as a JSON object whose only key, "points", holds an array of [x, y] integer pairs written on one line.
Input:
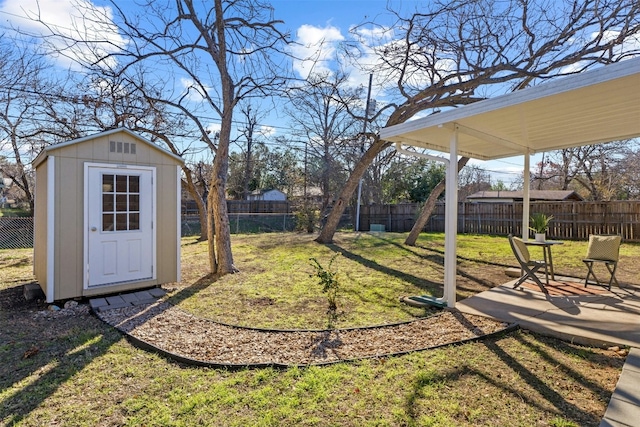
{"points": [[330, 285], [561, 422], [306, 218]]}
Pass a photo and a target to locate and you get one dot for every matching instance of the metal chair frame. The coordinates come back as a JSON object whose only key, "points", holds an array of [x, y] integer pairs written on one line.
{"points": [[528, 267], [612, 272], [606, 247]]}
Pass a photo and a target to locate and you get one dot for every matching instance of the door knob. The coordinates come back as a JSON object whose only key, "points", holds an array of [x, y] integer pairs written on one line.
{"points": [[93, 229]]}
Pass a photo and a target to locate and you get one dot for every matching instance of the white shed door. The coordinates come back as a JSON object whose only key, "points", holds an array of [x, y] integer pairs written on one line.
{"points": [[119, 224]]}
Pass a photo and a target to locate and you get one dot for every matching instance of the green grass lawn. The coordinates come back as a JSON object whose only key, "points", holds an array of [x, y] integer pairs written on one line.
{"points": [[75, 370]]}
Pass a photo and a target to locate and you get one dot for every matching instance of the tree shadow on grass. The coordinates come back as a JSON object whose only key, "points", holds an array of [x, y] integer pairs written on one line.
{"points": [[422, 283], [437, 258], [438, 254], [42, 350], [18, 263], [193, 289], [514, 368], [555, 398]]}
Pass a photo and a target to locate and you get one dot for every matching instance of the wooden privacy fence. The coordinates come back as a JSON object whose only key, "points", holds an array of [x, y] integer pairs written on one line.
{"points": [[244, 206], [571, 220], [258, 206]]}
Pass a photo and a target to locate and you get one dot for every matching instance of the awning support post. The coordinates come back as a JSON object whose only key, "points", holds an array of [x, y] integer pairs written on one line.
{"points": [[525, 196], [451, 222]]}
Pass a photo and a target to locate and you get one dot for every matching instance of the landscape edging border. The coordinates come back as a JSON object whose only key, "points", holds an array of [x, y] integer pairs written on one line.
{"points": [[144, 345]]}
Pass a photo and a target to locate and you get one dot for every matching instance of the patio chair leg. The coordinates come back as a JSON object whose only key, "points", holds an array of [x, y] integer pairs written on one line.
{"points": [[613, 274], [591, 273], [530, 274]]}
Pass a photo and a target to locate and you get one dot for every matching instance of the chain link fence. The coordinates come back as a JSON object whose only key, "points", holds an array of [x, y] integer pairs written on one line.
{"points": [[245, 223], [16, 233]]}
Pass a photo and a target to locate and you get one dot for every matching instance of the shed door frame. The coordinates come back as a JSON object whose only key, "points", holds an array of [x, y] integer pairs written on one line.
{"points": [[91, 168]]}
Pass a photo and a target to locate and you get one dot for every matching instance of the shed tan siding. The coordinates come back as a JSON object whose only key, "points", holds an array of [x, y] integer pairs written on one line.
{"points": [[69, 212], [40, 227]]}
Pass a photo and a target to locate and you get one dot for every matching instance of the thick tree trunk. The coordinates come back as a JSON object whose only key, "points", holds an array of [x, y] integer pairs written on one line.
{"points": [[211, 226], [202, 214], [331, 225], [220, 234], [428, 207], [202, 211]]}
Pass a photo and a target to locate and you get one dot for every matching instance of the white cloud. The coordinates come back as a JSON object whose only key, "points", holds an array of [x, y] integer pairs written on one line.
{"points": [[193, 91], [69, 20], [213, 128], [630, 44], [315, 49], [267, 131]]}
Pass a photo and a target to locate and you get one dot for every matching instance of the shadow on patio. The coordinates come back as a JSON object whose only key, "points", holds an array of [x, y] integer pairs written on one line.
{"points": [[591, 316]]}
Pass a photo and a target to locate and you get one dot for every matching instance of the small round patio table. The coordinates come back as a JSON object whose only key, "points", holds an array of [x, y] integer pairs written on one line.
{"points": [[546, 251]]}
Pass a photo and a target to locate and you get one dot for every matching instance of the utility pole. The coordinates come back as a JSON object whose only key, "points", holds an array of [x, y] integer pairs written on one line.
{"points": [[364, 131]]}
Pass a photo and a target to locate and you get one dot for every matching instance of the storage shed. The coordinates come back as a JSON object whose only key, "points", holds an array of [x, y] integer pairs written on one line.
{"points": [[107, 215]]}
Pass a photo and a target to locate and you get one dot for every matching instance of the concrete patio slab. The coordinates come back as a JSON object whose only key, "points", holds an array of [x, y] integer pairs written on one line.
{"points": [[607, 319], [624, 406], [612, 318]]}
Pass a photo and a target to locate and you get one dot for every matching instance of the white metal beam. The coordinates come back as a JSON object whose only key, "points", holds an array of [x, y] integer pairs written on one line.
{"points": [[401, 150], [494, 139], [451, 222], [526, 197]]}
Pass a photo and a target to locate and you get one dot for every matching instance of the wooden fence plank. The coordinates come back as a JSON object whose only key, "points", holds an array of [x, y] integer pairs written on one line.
{"points": [[571, 220]]}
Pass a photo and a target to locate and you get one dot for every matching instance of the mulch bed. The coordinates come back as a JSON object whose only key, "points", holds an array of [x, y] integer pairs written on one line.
{"points": [[173, 332]]}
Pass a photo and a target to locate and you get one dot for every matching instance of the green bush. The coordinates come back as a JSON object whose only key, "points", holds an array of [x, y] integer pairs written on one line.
{"points": [[306, 218], [330, 285], [14, 212]]}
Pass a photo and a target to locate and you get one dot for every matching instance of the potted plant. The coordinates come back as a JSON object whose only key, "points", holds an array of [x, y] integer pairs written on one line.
{"points": [[540, 225]]}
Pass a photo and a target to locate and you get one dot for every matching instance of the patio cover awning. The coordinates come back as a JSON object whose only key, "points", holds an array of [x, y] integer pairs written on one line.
{"points": [[596, 106]]}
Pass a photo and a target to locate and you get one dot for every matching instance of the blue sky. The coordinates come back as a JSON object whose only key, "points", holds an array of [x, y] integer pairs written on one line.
{"points": [[309, 22]]}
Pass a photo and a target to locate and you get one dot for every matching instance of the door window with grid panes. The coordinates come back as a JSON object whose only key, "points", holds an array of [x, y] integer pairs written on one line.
{"points": [[120, 202]]}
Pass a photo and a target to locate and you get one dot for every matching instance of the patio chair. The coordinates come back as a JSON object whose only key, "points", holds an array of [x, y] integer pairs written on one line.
{"points": [[528, 266], [606, 250]]}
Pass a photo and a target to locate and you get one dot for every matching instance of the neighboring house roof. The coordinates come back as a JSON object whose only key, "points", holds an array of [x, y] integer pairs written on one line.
{"points": [[270, 194], [260, 192], [539, 195], [311, 192], [45, 152]]}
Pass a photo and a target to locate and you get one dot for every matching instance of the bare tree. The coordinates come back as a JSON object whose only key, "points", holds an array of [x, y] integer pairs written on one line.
{"points": [[22, 85], [250, 136], [598, 172], [228, 51], [458, 52], [630, 183], [473, 179], [375, 177], [107, 99], [320, 112]]}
